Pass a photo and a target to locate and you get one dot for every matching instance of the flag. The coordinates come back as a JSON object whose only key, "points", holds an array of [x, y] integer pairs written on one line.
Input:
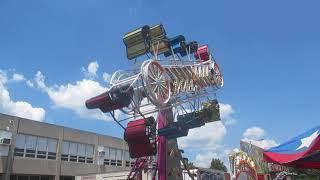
{"points": [[302, 151]]}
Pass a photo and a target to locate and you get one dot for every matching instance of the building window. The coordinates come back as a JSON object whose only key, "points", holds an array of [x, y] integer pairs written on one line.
{"points": [[34, 177], [132, 163], [77, 152], [89, 153], [82, 159], [31, 143], [113, 157], [89, 160], [106, 160], [23, 177], [20, 145], [82, 153], [42, 144], [66, 178], [65, 151], [35, 147], [127, 158], [119, 157], [52, 149], [73, 152]]}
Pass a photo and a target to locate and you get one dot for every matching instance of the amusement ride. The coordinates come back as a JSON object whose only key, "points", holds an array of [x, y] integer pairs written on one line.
{"points": [[161, 98]]}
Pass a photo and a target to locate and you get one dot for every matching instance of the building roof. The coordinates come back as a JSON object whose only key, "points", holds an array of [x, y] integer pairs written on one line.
{"points": [[6, 116]]}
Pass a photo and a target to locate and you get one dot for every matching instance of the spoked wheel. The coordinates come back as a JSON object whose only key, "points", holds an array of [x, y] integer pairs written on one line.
{"points": [[217, 76], [155, 82]]}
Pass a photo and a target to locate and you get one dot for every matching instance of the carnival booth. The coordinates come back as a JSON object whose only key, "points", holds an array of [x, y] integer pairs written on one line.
{"points": [[242, 166]]}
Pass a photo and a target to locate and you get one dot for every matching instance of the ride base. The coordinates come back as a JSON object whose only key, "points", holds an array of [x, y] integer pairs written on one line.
{"points": [[169, 167]]}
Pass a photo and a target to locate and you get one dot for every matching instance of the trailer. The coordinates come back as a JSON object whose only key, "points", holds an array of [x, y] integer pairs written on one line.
{"points": [[205, 174], [197, 173], [120, 175]]}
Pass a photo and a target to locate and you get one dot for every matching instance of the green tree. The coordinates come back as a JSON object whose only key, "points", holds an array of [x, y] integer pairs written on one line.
{"points": [[217, 164]]}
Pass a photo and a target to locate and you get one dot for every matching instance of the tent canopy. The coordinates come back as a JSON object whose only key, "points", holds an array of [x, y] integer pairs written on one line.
{"points": [[302, 151]]}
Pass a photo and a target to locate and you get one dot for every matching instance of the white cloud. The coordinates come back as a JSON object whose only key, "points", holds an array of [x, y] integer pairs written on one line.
{"points": [[204, 159], [39, 79], [3, 76], [106, 77], [72, 96], [264, 144], [226, 112], [17, 77], [231, 121], [17, 108], [93, 67], [254, 133], [91, 71], [210, 135], [257, 136], [30, 83], [25, 110], [207, 141], [205, 137]]}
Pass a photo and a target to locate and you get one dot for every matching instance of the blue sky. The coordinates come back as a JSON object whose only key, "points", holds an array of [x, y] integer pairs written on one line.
{"points": [[268, 52]]}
